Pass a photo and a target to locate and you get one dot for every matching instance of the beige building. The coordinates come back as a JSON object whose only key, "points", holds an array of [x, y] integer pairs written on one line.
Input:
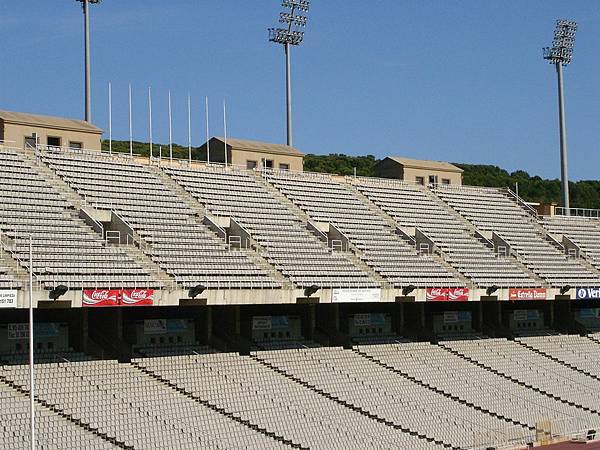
{"points": [[419, 171], [22, 129], [254, 154]]}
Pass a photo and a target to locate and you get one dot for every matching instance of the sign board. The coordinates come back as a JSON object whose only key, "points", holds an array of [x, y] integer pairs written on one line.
{"points": [[362, 320], [582, 293], [8, 298], [40, 330], [457, 316], [101, 297], [527, 294], [137, 297], [261, 323], [18, 331], [447, 294], [521, 315], [164, 326], [358, 295]]}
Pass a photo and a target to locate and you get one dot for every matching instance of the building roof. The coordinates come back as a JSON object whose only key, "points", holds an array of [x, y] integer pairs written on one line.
{"points": [[38, 120], [424, 164], [263, 147]]}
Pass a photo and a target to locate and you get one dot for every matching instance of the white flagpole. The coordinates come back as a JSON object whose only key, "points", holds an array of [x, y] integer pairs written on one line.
{"points": [[207, 135], [31, 361], [150, 118], [170, 130], [109, 118], [130, 125], [225, 129], [189, 129]]}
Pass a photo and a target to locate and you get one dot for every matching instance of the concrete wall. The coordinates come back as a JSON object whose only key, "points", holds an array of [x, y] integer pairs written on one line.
{"points": [[389, 168], [240, 158], [15, 134]]}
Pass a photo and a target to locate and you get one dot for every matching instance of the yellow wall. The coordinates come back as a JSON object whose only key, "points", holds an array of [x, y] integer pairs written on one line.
{"points": [[14, 136], [411, 174], [239, 158]]}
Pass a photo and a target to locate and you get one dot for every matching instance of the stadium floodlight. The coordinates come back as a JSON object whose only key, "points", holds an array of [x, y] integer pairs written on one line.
{"points": [[561, 54], [86, 34], [196, 291], [490, 290], [310, 290], [58, 292], [566, 288], [408, 289], [290, 35]]}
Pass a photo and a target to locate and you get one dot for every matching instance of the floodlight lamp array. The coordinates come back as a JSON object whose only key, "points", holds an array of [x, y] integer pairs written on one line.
{"points": [[562, 44], [292, 19], [302, 5], [89, 1], [283, 36]]}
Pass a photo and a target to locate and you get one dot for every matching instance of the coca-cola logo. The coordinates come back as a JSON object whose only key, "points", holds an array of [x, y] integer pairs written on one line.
{"points": [[436, 291], [102, 295], [139, 294]]}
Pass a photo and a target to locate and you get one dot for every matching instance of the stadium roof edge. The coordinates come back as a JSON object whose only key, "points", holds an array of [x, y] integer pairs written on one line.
{"points": [[264, 147], [61, 123], [425, 164]]}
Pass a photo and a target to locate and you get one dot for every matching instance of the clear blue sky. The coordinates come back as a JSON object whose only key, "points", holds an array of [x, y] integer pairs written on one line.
{"points": [[457, 80]]}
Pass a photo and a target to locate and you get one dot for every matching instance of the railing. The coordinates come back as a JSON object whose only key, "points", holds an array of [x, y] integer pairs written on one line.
{"points": [[577, 212], [523, 203]]}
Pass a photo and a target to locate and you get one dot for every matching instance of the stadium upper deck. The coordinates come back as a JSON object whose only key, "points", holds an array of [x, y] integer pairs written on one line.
{"points": [[119, 224]]}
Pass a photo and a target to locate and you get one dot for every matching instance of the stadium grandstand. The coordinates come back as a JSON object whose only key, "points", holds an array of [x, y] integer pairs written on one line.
{"points": [[181, 304]]}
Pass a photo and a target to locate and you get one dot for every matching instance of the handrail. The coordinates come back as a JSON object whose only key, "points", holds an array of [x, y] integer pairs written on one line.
{"points": [[523, 203], [587, 213]]}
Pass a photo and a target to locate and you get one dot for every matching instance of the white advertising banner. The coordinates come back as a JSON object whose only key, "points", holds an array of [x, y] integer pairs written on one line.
{"points": [[358, 295], [8, 298]]}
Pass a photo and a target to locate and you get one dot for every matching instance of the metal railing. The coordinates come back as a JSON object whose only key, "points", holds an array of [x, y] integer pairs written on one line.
{"points": [[577, 212]]}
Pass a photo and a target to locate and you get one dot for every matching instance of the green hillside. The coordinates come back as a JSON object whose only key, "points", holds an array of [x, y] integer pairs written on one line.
{"points": [[584, 194]]}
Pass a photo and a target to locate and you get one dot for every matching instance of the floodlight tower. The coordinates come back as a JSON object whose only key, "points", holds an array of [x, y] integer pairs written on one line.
{"points": [[86, 33], [287, 37], [561, 54]]}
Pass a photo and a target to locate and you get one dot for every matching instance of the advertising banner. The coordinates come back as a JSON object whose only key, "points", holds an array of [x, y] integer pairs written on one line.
{"points": [[358, 295], [447, 294], [582, 293], [527, 294], [101, 297], [261, 322], [8, 298], [137, 297]]}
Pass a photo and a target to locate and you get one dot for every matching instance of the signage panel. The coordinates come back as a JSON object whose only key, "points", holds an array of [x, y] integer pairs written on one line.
{"points": [[527, 294], [8, 298], [447, 294], [261, 323], [358, 295], [137, 297], [101, 297], [582, 293]]}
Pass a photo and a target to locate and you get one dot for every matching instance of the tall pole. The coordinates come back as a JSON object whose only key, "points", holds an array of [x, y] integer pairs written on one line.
{"points": [[189, 129], [130, 125], [564, 175], [170, 130], [31, 361], [288, 92], [225, 129], [109, 118], [150, 118], [207, 135], [88, 82]]}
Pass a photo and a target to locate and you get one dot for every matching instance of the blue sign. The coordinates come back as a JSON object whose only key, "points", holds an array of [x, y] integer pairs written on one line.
{"points": [[582, 293]]}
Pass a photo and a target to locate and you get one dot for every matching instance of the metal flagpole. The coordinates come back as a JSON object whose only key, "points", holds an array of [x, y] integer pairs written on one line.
{"points": [[31, 361], [207, 135], [170, 130], [109, 118], [150, 118], [189, 129], [225, 130], [130, 125]]}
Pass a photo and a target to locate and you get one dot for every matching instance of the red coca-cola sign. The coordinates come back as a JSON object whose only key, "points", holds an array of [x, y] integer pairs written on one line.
{"points": [[137, 297], [101, 297], [447, 294]]}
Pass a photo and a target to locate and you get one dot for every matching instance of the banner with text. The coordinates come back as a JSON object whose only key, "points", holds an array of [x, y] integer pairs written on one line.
{"points": [[447, 294], [588, 293], [137, 297], [8, 298], [527, 294], [358, 295], [101, 297]]}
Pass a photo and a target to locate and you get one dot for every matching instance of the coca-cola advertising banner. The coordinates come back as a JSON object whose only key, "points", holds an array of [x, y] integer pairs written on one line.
{"points": [[118, 297], [447, 294], [527, 294], [137, 297]]}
